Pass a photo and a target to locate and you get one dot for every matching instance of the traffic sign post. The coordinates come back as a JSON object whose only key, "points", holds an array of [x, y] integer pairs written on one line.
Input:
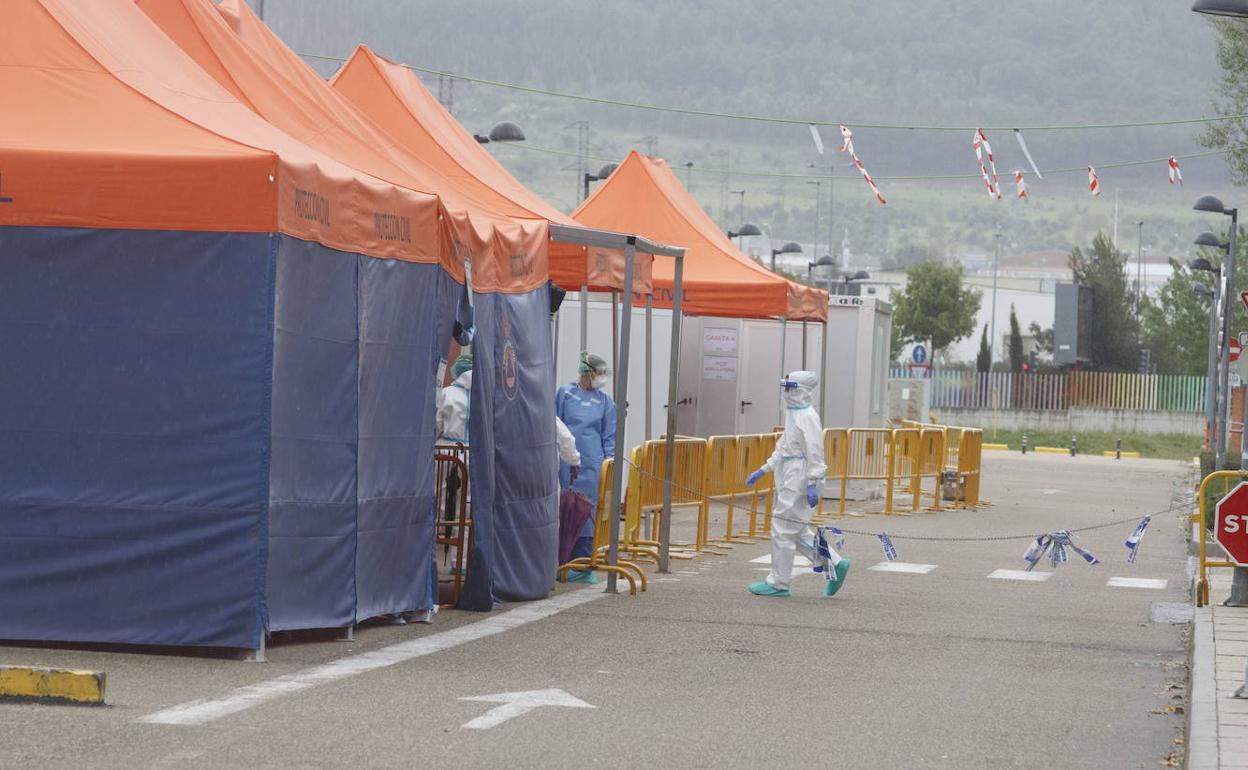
{"points": [[1230, 530], [1230, 524]]}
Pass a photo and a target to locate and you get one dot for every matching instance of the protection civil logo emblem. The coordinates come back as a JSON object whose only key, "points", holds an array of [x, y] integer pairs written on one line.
{"points": [[510, 365]]}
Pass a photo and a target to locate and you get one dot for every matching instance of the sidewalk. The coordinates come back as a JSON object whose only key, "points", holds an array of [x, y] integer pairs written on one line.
{"points": [[1217, 735]]}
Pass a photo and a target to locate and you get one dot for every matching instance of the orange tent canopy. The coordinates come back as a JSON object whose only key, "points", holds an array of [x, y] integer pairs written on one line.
{"points": [[397, 101], [508, 248], [645, 197], [119, 129]]}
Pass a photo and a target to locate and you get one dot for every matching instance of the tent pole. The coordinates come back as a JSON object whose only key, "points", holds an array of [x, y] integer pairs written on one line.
{"points": [[615, 341], [584, 320], [673, 374], [554, 348], [621, 413], [823, 374], [649, 365], [803, 344], [784, 344]]}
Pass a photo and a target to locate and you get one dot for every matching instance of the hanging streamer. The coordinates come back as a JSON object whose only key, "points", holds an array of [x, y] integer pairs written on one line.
{"points": [[1174, 172], [890, 552], [1133, 541], [1022, 145], [840, 537], [1093, 185], [1055, 544], [1020, 184], [818, 140], [848, 147], [979, 143]]}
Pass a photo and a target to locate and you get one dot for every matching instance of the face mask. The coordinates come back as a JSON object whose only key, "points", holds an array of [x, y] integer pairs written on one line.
{"points": [[599, 382]]}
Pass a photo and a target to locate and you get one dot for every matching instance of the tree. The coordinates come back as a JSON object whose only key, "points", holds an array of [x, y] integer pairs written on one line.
{"points": [[1043, 338], [983, 360], [1176, 326], [1016, 342], [1231, 99], [1115, 333], [935, 306]]}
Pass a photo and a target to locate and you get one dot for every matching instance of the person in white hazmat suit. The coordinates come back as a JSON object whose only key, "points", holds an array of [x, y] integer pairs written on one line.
{"points": [[799, 467]]}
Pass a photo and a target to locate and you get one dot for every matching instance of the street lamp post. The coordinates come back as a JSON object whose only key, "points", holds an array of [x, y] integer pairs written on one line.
{"points": [[824, 261], [1139, 273], [992, 318], [740, 204], [1211, 374], [1213, 205], [818, 199]]}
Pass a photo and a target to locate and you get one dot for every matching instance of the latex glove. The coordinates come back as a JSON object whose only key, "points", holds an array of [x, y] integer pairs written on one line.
{"points": [[812, 495], [753, 478], [573, 472]]}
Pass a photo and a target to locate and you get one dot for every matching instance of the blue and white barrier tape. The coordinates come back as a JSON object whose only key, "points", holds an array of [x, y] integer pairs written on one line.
{"points": [[890, 552], [1133, 542], [1055, 545]]}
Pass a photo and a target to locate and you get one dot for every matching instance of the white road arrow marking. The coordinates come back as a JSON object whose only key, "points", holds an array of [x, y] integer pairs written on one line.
{"points": [[515, 704]]}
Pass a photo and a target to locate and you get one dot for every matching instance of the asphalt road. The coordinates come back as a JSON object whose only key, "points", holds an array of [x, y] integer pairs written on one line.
{"points": [[944, 669]]}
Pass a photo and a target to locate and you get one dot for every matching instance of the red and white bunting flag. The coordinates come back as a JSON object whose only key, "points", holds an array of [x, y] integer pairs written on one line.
{"points": [[980, 144], [1022, 186], [1093, 186], [1175, 173], [848, 147]]}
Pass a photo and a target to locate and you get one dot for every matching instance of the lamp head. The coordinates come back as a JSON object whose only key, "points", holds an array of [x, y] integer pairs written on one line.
{"points": [[792, 247], [1222, 7], [1209, 203], [607, 170], [1200, 263], [861, 275], [1201, 289], [749, 229], [1211, 240], [506, 132]]}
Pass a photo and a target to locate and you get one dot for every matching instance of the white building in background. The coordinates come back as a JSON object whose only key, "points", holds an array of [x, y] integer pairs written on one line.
{"points": [[1027, 282]]}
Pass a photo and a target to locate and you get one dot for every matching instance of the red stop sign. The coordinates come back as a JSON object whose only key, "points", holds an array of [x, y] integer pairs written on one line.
{"points": [[1233, 349], [1230, 524]]}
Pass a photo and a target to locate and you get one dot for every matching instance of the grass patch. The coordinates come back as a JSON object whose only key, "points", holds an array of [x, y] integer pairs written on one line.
{"points": [[1164, 446]]}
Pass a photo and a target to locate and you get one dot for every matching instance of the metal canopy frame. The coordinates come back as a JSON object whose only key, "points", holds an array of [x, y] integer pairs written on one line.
{"points": [[631, 244]]}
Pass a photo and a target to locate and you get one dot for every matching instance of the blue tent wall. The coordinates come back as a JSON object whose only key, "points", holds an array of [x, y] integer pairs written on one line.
{"points": [[406, 313], [134, 425], [514, 462], [312, 505]]}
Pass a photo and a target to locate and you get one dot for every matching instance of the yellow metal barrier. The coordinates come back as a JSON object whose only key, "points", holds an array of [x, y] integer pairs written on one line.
{"points": [[688, 471], [907, 465], [835, 450], [765, 487], [597, 559], [932, 463], [970, 455], [869, 457], [720, 481], [1202, 501], [750, 457]]}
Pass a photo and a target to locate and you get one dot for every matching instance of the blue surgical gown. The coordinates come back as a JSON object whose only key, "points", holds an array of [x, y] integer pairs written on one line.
{"points": [[590, 415]]}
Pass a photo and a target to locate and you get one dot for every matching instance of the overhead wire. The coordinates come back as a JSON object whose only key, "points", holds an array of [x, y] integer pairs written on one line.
{"points": [[800, 121]]}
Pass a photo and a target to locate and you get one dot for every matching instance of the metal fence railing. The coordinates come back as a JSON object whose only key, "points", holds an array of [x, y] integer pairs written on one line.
{"points": [[960, 388]]}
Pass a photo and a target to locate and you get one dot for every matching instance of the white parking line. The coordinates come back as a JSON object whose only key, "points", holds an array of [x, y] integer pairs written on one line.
{"points": [[1126, 582], [798, 561], [901, 566], [1018, 574], [205, 710]]}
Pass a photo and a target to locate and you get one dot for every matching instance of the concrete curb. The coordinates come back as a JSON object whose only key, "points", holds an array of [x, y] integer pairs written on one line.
{"points": [[1202, 707], [51, 685]]}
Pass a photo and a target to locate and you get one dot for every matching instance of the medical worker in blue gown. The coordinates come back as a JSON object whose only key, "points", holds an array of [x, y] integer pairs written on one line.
{"points": [[589, 413]]}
